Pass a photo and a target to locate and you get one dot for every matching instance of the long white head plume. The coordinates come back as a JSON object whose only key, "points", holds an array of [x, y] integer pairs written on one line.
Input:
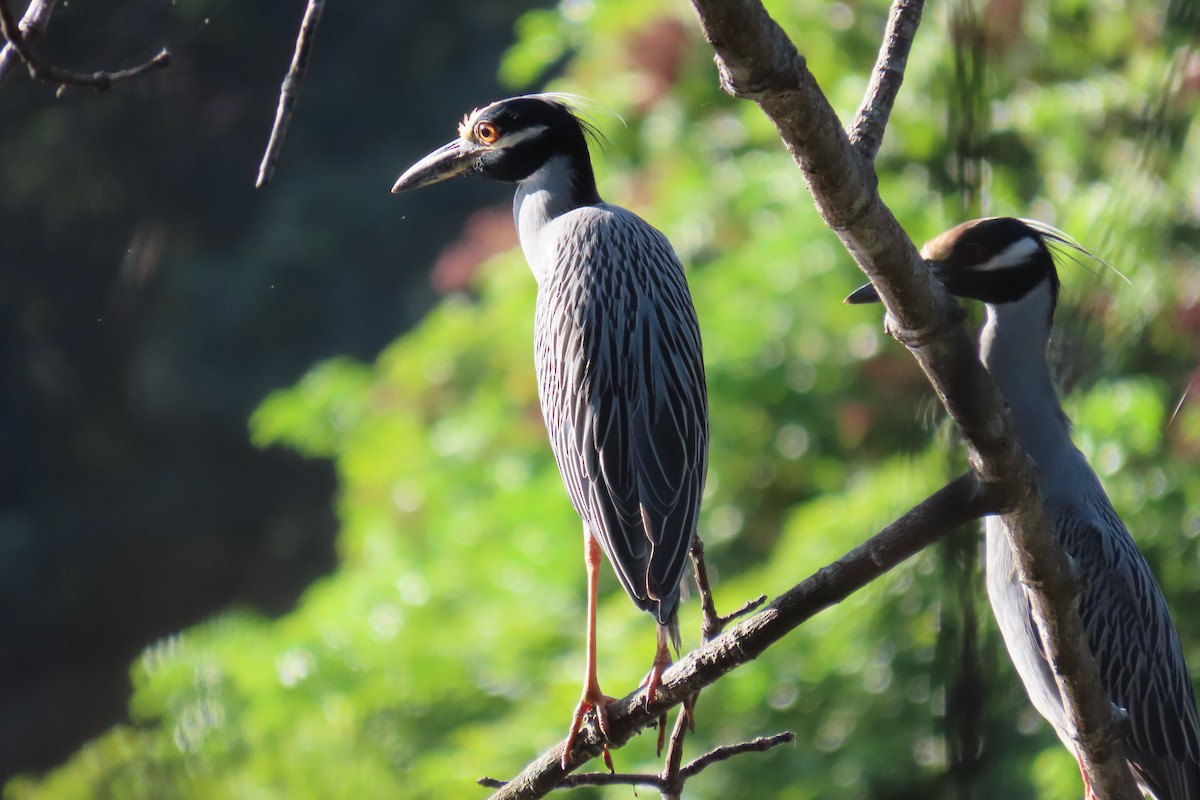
{"points": [[1063, 243], [586, 110]]}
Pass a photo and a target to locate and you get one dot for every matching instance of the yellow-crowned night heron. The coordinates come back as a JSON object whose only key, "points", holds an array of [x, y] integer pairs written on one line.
{"points": [[618, 357], [1007, 263]]}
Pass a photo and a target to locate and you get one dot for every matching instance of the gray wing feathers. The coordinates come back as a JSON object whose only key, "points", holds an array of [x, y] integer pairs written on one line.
{"points": [[1141, 661], [621, 378]]}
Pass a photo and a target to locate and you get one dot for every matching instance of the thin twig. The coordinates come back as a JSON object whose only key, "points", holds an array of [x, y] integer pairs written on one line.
{"points": [[748, 607], [712, 623], [710, 620], [100, 81], [866, 133], [672, 779], [960, 501], [759, 745], [289, 91], [32, 25], [692, 769]]}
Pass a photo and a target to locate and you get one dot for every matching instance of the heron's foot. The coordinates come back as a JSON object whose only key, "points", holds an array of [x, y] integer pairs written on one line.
{"points": [[688, 710], [593, 700], [662, 732], [650, 683], [653, 679], [689, 713]]}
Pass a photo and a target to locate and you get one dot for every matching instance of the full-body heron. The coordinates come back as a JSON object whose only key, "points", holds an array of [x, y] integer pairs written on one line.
{"points": [[618, 358], [1008, 265]]}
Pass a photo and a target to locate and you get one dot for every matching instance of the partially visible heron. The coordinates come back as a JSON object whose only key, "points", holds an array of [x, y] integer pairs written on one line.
{"points": [[1008, 265], [617, 351]]}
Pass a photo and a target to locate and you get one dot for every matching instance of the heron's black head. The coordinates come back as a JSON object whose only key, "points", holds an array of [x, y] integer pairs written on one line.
{"points": [[510, 140], [997, 260]]}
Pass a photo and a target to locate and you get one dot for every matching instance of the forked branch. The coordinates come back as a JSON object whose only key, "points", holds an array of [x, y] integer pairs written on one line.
{"points": [[757, 61]]}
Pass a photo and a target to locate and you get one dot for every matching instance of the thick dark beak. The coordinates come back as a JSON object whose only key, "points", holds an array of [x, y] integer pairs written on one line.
{"points": [[950, 278], [863, 294], [958, 282], [443, 163]]}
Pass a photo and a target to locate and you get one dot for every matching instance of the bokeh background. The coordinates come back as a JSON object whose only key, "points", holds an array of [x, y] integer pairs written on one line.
{"points": [[277, 514]]}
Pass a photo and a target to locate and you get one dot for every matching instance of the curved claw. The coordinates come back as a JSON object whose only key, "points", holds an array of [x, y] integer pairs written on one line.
{"points": [[687, 709], [689, 712], [591, 700], [652, 681]]}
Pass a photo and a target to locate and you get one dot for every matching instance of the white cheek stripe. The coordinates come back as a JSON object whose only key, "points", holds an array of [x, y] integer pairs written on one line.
{"points": [[1014, 255], [516, 137]]}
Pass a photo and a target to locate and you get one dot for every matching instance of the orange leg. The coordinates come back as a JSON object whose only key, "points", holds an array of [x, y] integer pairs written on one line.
{"points": [[592, 698], [662, 660]]}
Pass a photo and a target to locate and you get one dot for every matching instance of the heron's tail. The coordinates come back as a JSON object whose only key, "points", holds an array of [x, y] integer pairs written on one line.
{"points": [[672, 626]]}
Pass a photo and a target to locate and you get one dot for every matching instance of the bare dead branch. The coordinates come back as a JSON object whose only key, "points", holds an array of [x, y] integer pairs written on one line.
{"points": [[759, 745], [748, 607], [589, 779], [289, 91], [712, 623], [710, 620], [100, 81], [866, 132], [32, 25], [672, 778], [659, 782], [756, 60], [962, 500]]}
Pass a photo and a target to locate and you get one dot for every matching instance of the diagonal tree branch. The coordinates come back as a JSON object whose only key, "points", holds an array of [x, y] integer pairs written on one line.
{"points": [[961, 501], [757, 61], [290, 91]]}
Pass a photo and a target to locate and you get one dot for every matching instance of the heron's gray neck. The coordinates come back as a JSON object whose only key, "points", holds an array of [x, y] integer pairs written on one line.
{"points": [[546, 194], [1013, 347]]}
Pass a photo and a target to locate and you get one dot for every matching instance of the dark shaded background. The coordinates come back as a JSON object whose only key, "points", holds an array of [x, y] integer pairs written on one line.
{"points": [[150, 297]]}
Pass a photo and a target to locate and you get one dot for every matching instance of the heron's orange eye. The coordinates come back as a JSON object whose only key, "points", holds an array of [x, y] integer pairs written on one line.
{"points": [[487, 132]]}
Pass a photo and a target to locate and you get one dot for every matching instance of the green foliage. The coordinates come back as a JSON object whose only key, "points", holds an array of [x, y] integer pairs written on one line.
{"points": [[449, 643]]}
